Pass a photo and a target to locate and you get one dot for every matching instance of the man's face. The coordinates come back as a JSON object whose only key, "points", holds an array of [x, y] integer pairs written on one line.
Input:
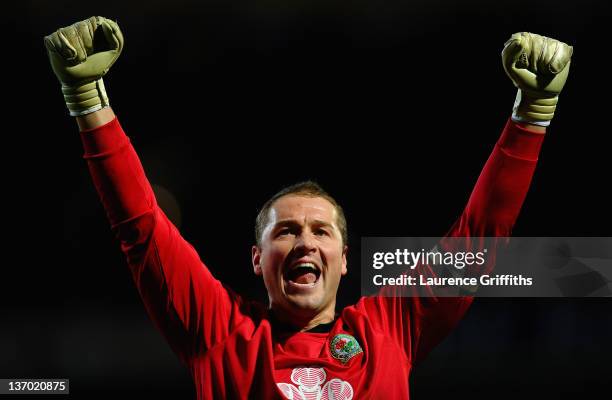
{"points": [[302, 256]]}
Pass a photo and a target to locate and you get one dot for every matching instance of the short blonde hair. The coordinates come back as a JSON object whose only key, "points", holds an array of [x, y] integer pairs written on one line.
{"points": [[308, 189]]}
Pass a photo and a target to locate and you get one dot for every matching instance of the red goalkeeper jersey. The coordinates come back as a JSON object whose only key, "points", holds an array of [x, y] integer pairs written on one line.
{"points": [[234, 348]]}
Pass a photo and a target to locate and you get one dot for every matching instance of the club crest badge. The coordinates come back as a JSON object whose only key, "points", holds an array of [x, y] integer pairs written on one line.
{"points": [[343, 347]]}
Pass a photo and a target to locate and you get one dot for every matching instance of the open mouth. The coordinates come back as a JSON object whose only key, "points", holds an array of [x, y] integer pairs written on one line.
{"points": [[304, 274]]}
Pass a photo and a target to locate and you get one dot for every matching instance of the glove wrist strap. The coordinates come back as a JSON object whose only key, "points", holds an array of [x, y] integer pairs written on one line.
{"points": [[85, 98], [534, 110]]}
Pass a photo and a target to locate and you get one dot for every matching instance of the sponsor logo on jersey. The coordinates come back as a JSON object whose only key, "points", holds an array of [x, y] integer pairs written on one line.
{"points": [[311, 385]]}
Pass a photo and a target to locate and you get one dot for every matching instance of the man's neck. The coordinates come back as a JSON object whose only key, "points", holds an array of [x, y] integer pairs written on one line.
{"points": [[302, 323]]}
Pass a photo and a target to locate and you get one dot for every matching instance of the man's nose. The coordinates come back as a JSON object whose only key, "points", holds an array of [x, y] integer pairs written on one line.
{"points": [[305, 242]]}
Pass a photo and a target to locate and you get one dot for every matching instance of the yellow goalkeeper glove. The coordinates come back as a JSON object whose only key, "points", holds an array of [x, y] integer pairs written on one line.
{"points": [[538, 66], [81, 54]]}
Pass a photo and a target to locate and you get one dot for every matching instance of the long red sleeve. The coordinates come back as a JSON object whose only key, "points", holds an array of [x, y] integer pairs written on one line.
{"points": [[191, 308], [501, 189], [419, 323]]}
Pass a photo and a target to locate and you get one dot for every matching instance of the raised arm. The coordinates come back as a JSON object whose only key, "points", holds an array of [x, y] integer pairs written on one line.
{"points": [[191, 308], [538, 66]]}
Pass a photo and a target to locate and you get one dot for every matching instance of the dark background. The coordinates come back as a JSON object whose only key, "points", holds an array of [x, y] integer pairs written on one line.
{"points": [[392, 106]]}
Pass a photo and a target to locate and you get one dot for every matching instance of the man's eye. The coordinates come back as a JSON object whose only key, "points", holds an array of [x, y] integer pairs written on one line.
{"points": [[283, 232], [321, 232]]}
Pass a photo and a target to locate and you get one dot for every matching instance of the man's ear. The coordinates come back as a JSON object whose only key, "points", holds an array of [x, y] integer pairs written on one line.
{"points": [[344, 262], [256, 258]]}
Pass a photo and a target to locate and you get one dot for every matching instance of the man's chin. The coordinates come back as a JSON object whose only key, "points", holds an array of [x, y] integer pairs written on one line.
{"points": [[304, 298], [305, 302]]}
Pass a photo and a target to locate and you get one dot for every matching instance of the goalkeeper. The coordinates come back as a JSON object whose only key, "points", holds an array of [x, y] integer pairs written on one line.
{"points": [[298, 346]]}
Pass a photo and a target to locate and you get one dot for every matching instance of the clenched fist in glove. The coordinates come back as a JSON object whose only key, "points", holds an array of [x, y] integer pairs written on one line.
{"points": [[538, 66], [81, 54]]}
